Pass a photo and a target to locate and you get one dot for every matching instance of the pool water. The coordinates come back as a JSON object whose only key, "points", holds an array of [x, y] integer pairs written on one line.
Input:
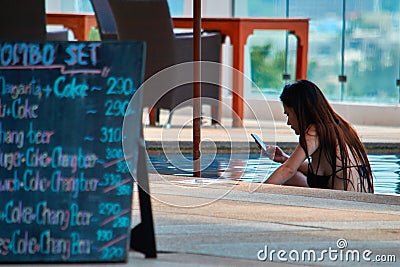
{"points": [[253, 168]]}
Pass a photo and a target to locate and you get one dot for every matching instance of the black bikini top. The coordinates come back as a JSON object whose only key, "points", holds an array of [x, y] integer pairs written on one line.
{"points": [[317, 181], [314, 180], [322, 181]]}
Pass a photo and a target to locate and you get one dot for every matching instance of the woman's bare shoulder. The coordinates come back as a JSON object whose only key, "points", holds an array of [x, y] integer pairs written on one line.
{"points": [[311, 138]]}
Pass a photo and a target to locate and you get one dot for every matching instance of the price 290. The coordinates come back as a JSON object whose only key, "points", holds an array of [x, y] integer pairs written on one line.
{"points": [[120, 86]]}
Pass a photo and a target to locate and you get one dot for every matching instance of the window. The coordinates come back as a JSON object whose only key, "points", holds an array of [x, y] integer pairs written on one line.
{"points": [[69, 6], [370, 54]]}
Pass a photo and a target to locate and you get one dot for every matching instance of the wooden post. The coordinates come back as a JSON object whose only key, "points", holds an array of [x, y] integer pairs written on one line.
{"points": [[197, 88]]}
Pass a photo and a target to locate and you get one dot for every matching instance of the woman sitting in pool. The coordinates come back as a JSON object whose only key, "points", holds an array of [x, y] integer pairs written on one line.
{"points": [[329, 155]]}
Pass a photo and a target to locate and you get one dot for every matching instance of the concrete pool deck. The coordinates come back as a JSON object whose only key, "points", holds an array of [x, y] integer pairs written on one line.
{"points": [[201, 222]]}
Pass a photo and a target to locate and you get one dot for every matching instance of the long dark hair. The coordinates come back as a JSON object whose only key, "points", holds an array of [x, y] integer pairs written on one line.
{"points": [[311, 107]]}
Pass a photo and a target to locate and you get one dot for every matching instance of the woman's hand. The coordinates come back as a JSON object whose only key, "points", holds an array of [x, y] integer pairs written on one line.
{"points": [[276, 154]]}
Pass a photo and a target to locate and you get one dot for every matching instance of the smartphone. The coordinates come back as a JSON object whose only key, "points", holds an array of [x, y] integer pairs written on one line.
{"points": [[259, 142]]}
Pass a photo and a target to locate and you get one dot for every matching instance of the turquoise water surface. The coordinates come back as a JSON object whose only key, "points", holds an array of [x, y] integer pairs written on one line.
{"points": [[253, 168]]}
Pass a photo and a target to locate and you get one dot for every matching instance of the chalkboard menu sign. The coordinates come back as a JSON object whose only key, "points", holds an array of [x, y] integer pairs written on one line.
{"points": [[65, 184]]}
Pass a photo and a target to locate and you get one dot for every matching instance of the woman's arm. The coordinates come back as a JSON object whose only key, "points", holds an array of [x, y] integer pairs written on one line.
{"points": [[289, 168], [276, 154], [297, 161], [304, 167]]}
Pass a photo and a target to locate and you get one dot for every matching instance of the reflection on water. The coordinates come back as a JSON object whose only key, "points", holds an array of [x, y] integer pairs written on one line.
{"points": [[253, 168], [386, 169]]}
